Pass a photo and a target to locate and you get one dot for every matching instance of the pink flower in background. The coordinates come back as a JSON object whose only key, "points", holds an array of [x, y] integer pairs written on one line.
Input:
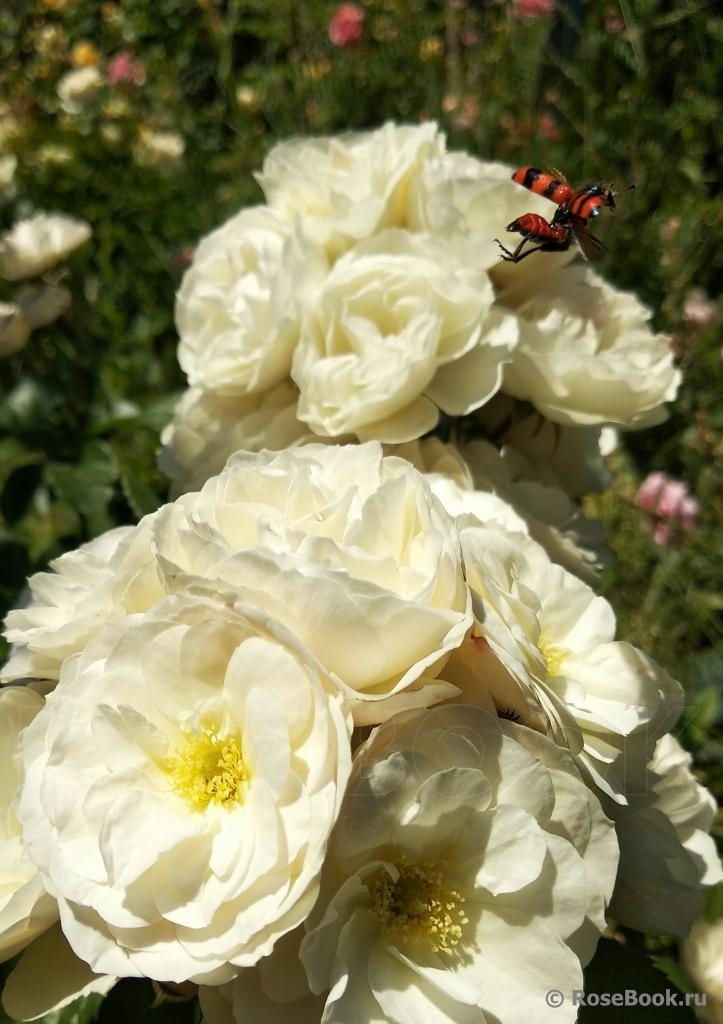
{"points": [[698, 309], [532, 8], [123, 68], [347, 25], [672, 510]]}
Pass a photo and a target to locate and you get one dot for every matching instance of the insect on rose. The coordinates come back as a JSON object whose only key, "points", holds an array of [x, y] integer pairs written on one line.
{"points": [[574, 210]]}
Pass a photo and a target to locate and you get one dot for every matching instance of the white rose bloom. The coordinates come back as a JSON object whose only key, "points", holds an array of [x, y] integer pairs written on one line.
{"points": [[567, 457], [156, 149], [181, 784], [26, 909], [667, 857], [549, 515], [14, 329], [463, 866], [38, 243], [42, 304], [49, 977], [110, 576], [587, 354], [348, 187], [349, 549], [207, 427], [77, 86], [237, 308], [403, 326], [702, 956], [544, 649]]}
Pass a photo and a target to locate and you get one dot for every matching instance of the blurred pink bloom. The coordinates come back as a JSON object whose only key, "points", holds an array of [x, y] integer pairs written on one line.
{"points": [[547, 126], [347, 25], [698, 309], [123, 68], [532, 8], [671, 508]]}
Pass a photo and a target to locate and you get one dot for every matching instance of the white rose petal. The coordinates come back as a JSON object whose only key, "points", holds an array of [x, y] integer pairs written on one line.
{"points": [[181, 783], [77, 86], [702, 955], [38, 243]]}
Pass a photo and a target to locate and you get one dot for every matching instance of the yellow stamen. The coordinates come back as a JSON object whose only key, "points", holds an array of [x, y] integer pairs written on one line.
{"points": [[208, 768]]}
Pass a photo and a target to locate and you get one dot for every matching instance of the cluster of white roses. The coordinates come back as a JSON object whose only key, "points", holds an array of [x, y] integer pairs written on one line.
{"points": [[334, 739], [367, 296]]}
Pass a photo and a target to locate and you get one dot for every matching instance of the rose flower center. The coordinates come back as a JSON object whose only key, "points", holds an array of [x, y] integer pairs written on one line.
{"points": [[208, 768]]}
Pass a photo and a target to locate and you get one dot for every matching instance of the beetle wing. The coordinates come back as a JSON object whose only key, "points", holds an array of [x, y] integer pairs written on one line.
{"points": [[590, 247]]}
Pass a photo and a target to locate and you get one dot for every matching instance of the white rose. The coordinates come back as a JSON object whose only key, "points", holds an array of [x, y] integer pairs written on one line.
{"points": [[544, 648], [667, 857], [155, 149], [462, 869], [181, 784], [349, 549], [38, 243], [702, 955], [207, 427], [110, 576], [237, 309], [567, 457], [77, 86], [587, 354], [348, 187], [26, 909], [403, 325], [14, 329]]}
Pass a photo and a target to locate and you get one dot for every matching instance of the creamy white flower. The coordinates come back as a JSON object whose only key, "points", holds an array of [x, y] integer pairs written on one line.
{"points": [[110, 576], [14, 329], [76, 86], [548, 513], [567, 457], [48, 977], [667, 857], [544, 648], [461, 871], [38, 243], [349, 549], [348, 187], [587, 354], [403, 326], [41, 304], [237, 310], [702, 955], [26, 909], [156, 149], [208, 427], [275, 991], [181, 783]]}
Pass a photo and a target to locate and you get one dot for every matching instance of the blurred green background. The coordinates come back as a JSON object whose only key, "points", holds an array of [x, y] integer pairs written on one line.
{"points": [[623, 92]]}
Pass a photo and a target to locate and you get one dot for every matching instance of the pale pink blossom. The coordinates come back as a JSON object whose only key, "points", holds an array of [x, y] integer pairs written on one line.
{"points": [[672, 510], [698, 309], [124, 68], [532, 8], [347, 25]]}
